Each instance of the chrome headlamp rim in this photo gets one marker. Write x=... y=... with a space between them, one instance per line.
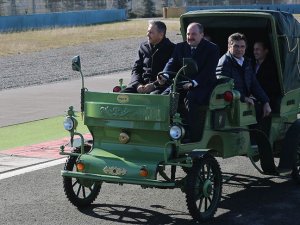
x=176 y=132
x=69 y=123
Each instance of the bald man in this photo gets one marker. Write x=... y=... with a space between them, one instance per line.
x=197 y=92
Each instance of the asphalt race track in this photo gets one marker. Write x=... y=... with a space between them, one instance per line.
x=248 y=198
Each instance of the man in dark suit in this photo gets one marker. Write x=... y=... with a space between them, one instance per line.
x=195 y=93
x=235 y=65
x=266 y=74
x=152 y=57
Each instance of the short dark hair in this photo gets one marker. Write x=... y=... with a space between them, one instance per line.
x=262 y=43
x=237 y=37
x=161 y=26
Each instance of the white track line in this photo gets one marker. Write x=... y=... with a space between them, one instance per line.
x=31 y=168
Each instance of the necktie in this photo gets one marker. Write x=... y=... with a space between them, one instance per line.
x=193 y=50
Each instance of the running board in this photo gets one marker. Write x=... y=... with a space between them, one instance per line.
x=118 y=180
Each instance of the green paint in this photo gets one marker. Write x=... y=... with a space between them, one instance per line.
x=35 y=132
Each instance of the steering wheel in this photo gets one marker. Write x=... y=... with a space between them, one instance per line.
x=179 y=84
x=186 y=80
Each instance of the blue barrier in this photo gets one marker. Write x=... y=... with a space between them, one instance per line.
x=36 y=21
x=291 y=8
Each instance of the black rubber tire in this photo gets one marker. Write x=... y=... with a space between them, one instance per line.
x=296 y=170
x=186 y=169
x=205 y=171
x=79 y=195
x=265 y=159
x=296 y=142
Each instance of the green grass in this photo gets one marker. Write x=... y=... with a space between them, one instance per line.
x=36 y=132
x=38 y=40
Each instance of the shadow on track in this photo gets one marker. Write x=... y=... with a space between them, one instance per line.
x=134 y=215
x=246 y=200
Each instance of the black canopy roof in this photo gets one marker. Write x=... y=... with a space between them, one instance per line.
x=281 y=29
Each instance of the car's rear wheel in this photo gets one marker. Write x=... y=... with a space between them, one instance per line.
x=296 y=143
x=261 y=154
x=256 y=161
x=296 y=170
x=80 y=192
x=203 y=188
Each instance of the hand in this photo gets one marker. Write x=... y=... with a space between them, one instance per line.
x=266 y=109
x=148 y=88
x=161 y=80
x=140 y=89
x=187 y=86
x=249 y=101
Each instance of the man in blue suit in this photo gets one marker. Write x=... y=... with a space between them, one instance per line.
x=234 y=64
x=195 y=93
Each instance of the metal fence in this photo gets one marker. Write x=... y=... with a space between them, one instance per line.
x=138 y=7
x=23 y=7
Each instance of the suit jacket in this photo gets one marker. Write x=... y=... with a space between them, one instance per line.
x=151 y=60
x=244 y=77
x=268 y=78
x=206 y=56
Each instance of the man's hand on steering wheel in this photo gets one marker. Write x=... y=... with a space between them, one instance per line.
x=164 y=77
x=188 y=86
x=161 y=79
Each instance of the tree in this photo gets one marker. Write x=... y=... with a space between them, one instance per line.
x=122 y=4
x=13 y=7
x=149 y=8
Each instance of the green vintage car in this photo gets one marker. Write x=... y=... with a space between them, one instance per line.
x=137 y=138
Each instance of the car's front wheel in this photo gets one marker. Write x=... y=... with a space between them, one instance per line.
x=203 y=188
x=80 y=192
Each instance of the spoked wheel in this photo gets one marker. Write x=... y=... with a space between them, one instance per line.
x=256 y=161
x=255 y=158
x=262 y=155
x=291 y=153
x=80 y=192
x=204 y=188
x=296 y=169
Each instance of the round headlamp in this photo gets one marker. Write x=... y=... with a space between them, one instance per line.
x=176 y=132
x=68 y=123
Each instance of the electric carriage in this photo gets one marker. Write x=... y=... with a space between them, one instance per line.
x=137 y=138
